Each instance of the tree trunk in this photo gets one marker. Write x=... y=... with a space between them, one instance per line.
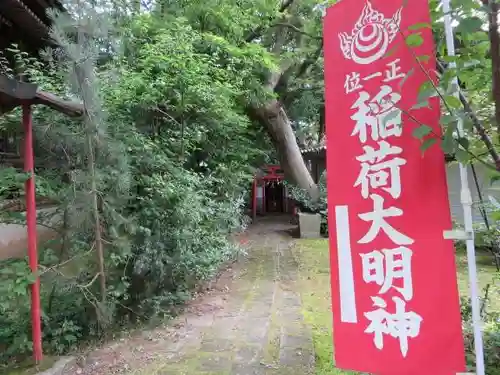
x=495 y=58
x=274 y=118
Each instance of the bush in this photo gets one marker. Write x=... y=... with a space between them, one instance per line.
x=491 y=338
x=180 y=237
x=15 y=336
x=163 y=153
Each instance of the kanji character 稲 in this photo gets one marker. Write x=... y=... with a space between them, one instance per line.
x=380 y=114
x=377 y=218
x=364 y=118
x=383 y=105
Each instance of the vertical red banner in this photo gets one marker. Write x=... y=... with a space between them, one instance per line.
x=394 y=287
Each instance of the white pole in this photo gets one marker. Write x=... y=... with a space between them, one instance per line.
x=466 y=199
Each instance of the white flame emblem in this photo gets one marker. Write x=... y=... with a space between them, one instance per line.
x=371 y=36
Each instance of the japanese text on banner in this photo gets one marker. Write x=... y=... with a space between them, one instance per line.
x=376 y=120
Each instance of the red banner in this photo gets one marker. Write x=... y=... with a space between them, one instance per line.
x=394 y=286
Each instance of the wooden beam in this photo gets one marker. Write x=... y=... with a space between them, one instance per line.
x=69 y=108
x=14 y=93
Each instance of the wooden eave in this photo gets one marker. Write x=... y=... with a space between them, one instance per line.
x=26 y=21
x=320 y=152
x=14 y=93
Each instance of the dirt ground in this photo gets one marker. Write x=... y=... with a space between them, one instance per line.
x=249 y=323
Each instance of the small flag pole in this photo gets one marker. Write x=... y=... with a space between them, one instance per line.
x=466 y=200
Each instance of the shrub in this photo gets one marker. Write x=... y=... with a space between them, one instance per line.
x=491 y=338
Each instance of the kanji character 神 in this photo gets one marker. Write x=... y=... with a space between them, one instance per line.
x=401 y=325
x=384 y=267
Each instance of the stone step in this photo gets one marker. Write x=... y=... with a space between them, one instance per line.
x=296 y=344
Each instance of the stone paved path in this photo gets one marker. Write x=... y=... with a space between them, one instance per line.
x=250 y=324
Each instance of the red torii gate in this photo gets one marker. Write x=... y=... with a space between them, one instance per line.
x=14 y=94
x=270 y=173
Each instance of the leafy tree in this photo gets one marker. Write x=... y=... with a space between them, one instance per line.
x=277 y=47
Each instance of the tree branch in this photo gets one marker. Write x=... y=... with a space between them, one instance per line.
x=310 y=60
x=322 y=123
x=481 y=130
x=285 y=5
x=257 y=32
x=494 y=37
x=296 y=29
x=283 y=82
x=69 y=108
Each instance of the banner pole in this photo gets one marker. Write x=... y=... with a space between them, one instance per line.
x=466 y=200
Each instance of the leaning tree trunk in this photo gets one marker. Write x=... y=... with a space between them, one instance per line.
x=274 y=118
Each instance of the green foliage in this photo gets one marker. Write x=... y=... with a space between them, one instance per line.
x=414 y=40
x=12 y=181
x=174 y=157
x=15 y=336
x=175 y=144
x=491 y=336
x=472 y=66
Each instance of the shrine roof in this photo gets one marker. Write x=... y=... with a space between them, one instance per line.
x=320 y=152
x=26 y=22
x=317 y=149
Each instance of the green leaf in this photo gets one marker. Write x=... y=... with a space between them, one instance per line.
x=423 y=58
x=425 y=92
x=418 y=26
x=448 y=144
x=462 y=155
x=449 y=59
x=428 y=143
x=422 y=131
x=470 y=25
x=452 y=101
x=464 y=142
x=424 y=104
x=448 y=119
x=31 y=277
x=414 y=40
x=472 y=63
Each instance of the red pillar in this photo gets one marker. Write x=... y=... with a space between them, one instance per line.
x=254 y=198
x=264 y=181
x=32 y=237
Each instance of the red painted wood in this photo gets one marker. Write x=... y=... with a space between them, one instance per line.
x=32 y=236
x=254 y=198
